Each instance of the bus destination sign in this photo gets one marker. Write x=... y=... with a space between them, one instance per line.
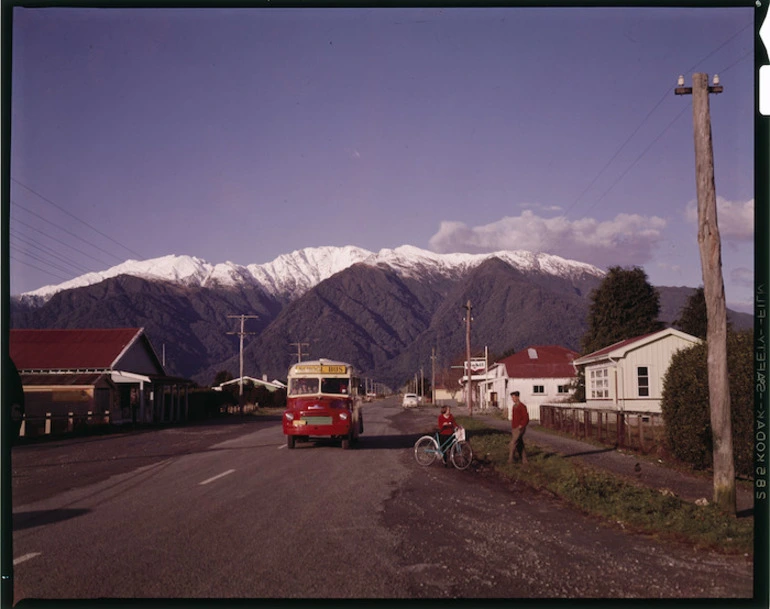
x=322 y=369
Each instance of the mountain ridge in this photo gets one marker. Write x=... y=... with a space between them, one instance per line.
x=385 y=313
x=291 y=275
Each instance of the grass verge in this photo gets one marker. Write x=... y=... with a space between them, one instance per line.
x=611 y=497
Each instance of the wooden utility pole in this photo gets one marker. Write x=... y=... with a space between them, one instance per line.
x=241 y=334
x=433 y=376
x=299 y=349
x=714 y=291
x=468 y=388
x=422 y=383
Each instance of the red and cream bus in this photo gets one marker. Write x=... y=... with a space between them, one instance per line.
x=323 y=400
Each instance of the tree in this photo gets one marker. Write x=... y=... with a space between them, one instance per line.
x=503 y=355
x=222 y=377
x=625 y=305
x=692 y=318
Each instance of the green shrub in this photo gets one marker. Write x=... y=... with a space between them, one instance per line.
x=685 y=403
x=205 y=403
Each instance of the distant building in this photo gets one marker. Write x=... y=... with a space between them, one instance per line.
x=97 y=371
x=273 y=385
x=539 y=373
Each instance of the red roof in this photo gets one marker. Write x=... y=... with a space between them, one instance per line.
x=548 y=361
x=69 y=349
x=618 y=345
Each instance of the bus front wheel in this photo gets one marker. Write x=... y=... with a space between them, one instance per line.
x=346 y=442
x=290 y=441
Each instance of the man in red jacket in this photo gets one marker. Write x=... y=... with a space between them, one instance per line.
x=519 y=422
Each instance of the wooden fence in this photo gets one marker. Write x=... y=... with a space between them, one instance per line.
x=50 y=424
x=642 y=431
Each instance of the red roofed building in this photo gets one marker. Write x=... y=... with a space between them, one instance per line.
x=97 y=371
x=541 y=374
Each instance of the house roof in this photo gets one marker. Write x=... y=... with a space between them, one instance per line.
x=541 y=361
x=620 y=348
x=272 y=385
x=81 y=349
x=70 y=380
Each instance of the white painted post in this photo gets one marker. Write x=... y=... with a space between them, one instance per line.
x=70 y=421
x=23 y=427
x=47 y=423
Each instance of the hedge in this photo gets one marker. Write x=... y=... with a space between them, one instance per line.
x=685 y=403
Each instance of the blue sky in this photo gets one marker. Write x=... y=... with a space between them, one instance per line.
x=242 y=134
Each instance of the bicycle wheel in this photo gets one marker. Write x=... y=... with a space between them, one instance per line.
x=425 y=450
x=461 y=455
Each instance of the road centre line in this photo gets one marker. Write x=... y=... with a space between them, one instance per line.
x=229 y=471
x=26 y=557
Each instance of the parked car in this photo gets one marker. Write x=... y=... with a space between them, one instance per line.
x=410 y=400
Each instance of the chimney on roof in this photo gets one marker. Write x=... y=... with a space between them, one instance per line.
x=532 y=353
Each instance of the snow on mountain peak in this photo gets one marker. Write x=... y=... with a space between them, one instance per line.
x=187 y=270
x=291 y=275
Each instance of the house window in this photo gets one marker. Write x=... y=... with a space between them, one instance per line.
x=643 y=381
x=562 y=389
x=599 y=383
x=538 y=389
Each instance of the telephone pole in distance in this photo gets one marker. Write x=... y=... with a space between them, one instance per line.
x=241 y=334
x=299 y=349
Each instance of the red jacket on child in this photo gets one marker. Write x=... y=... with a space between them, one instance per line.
x=446 y=424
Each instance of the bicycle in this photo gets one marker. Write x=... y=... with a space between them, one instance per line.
x=428 y=448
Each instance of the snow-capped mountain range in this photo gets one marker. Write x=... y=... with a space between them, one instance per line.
x=291 y=275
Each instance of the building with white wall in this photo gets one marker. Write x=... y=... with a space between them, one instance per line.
x=541 y=374
x=629 y=374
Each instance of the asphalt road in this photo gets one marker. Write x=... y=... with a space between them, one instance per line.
x=225 y=510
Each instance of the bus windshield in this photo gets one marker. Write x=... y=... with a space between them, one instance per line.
x=303 y=385
x=335 y=385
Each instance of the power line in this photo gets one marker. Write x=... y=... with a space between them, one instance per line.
x=644 y=120
x=35 y=257
x=11 y=256
x=630 y=167
x=69 y=233
x=748 y=53
x=617 y=152
x=748 y=25
x=78 y=219
x=65 y=244
x=50 y=252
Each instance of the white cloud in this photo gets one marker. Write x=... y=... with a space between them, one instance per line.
x=742 y=277
x=736 y=220
x=671 y=268
x=626 y=240
x=540 y=207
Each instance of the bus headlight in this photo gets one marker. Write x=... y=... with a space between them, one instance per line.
x=344 y=416
x=289 y=416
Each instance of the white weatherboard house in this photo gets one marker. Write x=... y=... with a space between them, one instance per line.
x=541 y=374
x=629 y=375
